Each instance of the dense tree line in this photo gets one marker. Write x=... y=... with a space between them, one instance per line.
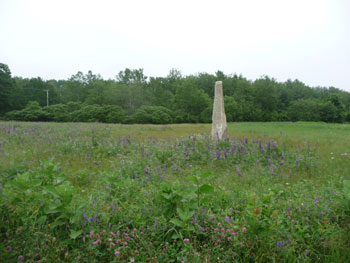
x=134 y=98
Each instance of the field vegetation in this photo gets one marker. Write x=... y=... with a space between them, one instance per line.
x=89 y=192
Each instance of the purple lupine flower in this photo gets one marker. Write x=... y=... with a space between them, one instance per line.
x=306 y=252
x=238 y=171
x=96 y=163
x=321 y=214
x=279 y=243
x=164 y=167
x=282 y=156
x=257 y=163
x=260 y=143
x=218 y=154
x=233 y=148
x=146 y=171
x=297 y=162
x=268 y=145
x=246 y=140
x=274 y=174
x=227 y=219
x=281 y=163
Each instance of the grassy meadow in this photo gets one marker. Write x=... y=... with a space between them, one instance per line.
x=89 y=192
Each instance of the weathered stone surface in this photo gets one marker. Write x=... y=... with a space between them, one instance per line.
x=219 y=125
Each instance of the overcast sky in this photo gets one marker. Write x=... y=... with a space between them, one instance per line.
x=285 y=39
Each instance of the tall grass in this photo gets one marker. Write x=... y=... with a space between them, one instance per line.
x=271 y=192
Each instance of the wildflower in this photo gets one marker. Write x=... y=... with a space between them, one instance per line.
x=216 y=229
x=96 y=163
x=20 y=256
x=218 y=154
x=146 y=171
x=306 y=252
x=227 y=219
x=91 y=233
x=279 y=243
x=321 y=214
x=116 y=252
x=132 y=260
x=111 y=244
x=229 y=238
x=316 y=201
x=281 y=163
x=244 y=229
x=186 y=240
x=238 y=171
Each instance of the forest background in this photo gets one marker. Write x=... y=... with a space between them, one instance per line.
x=133 y=97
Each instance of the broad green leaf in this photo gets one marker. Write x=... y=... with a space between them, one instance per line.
x=74 y=234
x=206 y=189
x=57 y=223
x=176 y=222
x=167 y=196
x=35 y=182
x=192 y=179
x=205 y=175
x=175 y=236
x=42 y=220
x=184 y=215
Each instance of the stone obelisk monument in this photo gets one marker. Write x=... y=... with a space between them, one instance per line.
x=219 y=126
